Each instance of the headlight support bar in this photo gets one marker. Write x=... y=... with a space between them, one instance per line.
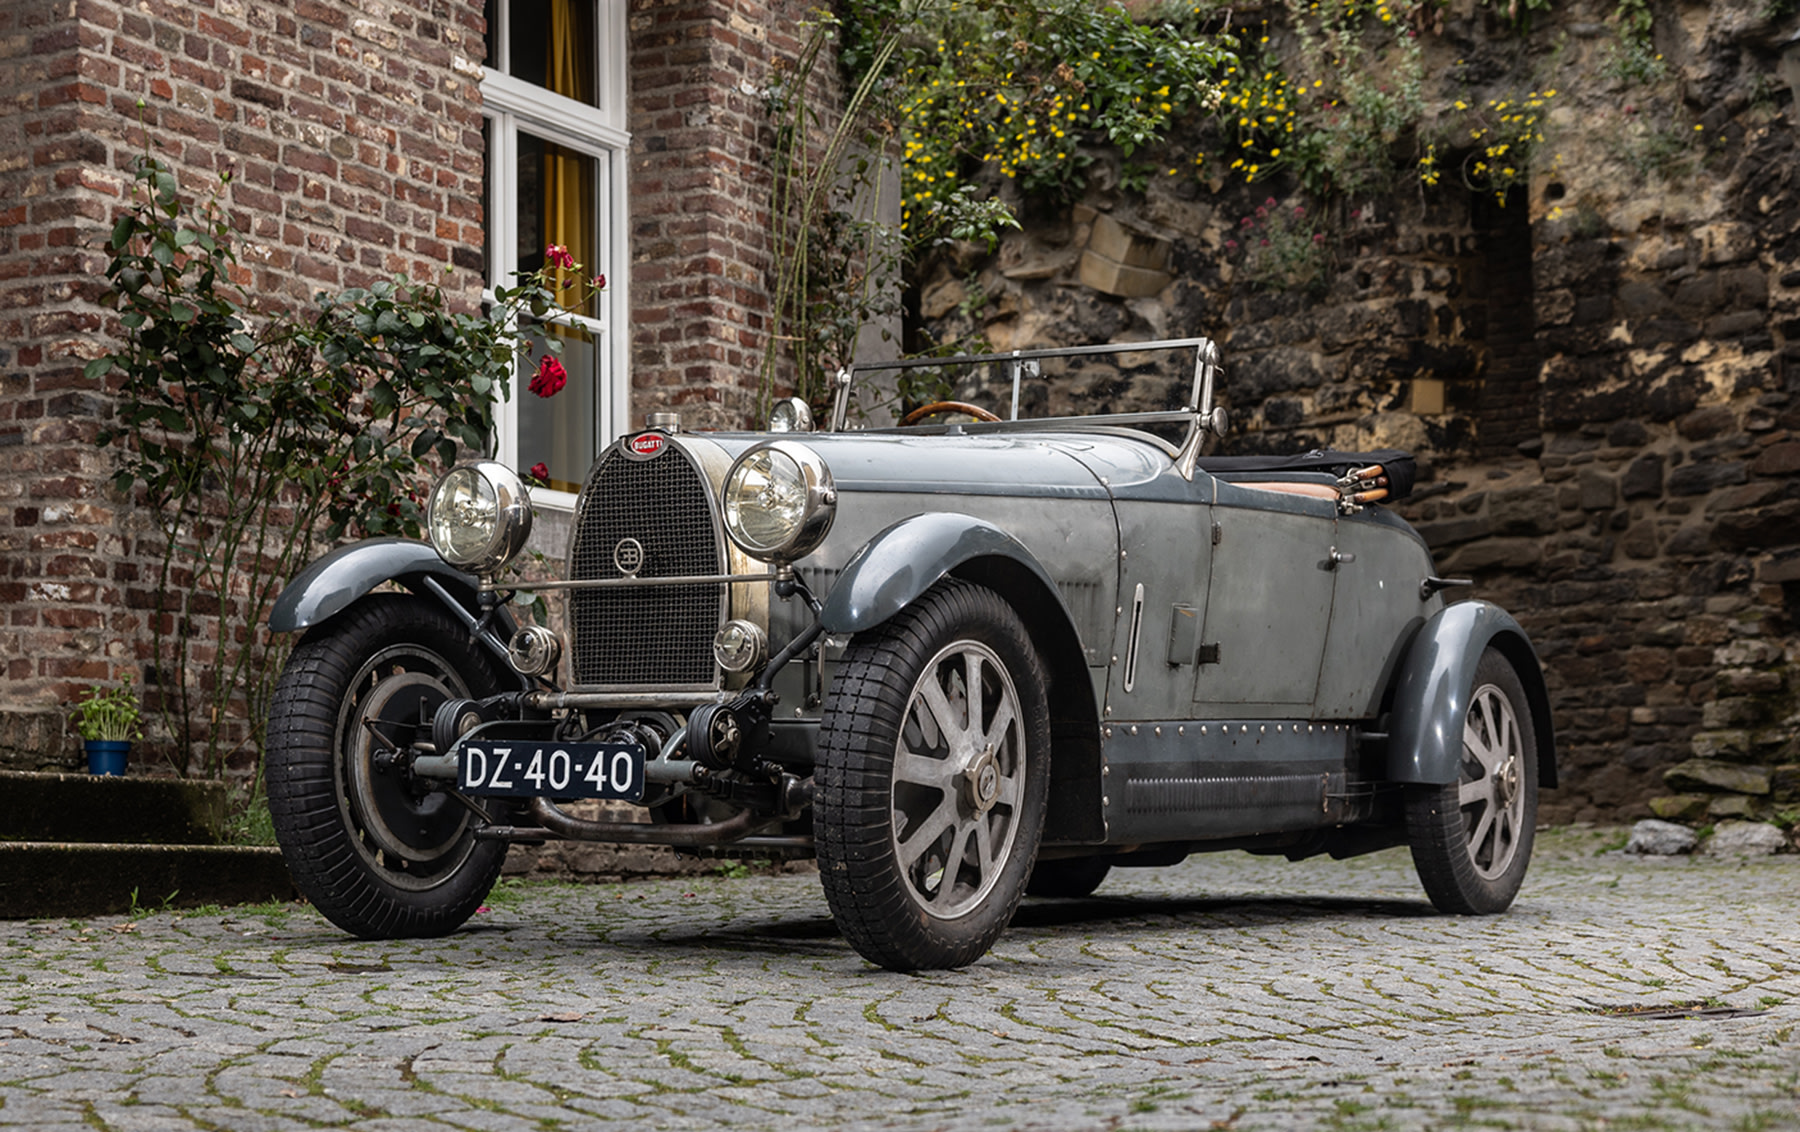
x=602 y=583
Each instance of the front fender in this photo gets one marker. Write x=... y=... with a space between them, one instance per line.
x=903 y=561
x=1431 y=697
x=329 y=585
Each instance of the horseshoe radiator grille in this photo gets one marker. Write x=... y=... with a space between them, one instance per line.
x=658 y=510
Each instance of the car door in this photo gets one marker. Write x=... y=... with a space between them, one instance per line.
x=1268 y=604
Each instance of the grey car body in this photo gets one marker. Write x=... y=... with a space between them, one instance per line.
x=1022 y=653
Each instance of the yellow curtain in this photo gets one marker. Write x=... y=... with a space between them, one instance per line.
x=569 y=177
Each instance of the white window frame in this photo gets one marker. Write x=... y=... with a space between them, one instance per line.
x=511 y=105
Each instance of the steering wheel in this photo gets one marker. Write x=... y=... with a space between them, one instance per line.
x=936 y=407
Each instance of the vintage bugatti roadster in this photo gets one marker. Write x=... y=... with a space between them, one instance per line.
x=992 y=649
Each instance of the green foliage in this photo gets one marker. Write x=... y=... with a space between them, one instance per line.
x=1635 y=20
x=1633 y=63
x=108 y=713
x=138 y=911
x=250 y=822
x=1333 y=116
x=836 y=264
x=1024 y=88
x=1281 y=247
x=1633 y=59
x=250 y=439
x=1506 y=133
x=1659 y=149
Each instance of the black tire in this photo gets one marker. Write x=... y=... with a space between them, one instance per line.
x=903 y=793
x=377 y=856
x=1471 y=839
x=1068 y=877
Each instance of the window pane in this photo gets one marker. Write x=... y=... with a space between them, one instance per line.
x=557 y=202
x=561 y=431
x=552 y=46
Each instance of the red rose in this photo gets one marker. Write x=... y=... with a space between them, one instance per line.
x=600 y=282
x=558 y=256
x=539 y=474
x=550 y=378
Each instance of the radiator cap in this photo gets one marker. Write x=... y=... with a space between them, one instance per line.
x=665 y=420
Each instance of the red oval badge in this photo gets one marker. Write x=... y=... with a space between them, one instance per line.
x=646 y=445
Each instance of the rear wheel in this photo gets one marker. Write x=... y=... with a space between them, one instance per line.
x=934 y=772
x=377 y=854
x=1471 y=839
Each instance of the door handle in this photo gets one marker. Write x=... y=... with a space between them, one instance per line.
x=1340 y=557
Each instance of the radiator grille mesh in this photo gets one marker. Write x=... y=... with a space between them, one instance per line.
x=631 y=636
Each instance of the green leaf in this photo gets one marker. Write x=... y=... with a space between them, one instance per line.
x=97 y=368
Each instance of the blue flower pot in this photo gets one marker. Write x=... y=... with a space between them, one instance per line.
x=107 y=756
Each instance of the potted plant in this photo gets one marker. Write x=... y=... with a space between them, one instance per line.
x=107 y=721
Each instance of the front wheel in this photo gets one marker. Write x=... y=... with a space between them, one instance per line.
x=934 y=774
x=378 y=854
x=1471 y=839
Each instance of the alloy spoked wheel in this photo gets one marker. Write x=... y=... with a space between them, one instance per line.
x=959 y=775
x=933 y=779
x=1471 y=839
x=1491 y=792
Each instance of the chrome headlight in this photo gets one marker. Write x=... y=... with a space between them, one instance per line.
x=779 y=501
x=790 y=414
x=479 y=516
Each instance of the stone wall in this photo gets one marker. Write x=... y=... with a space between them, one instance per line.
x=1602 y=374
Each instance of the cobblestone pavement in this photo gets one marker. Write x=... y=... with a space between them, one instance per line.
x=1230 y=992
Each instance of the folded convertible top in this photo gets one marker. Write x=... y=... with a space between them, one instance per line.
x=1399 y=468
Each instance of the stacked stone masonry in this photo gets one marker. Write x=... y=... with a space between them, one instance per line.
x=1602 y=376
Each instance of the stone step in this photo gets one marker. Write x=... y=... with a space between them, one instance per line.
x=86 y=807
x=61 y=879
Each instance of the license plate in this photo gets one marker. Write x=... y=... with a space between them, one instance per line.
x=527 y=768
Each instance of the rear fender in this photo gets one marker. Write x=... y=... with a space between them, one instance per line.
x=1431 y=695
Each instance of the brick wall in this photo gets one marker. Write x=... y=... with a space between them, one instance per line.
x=352 y=133
x=701 y=186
